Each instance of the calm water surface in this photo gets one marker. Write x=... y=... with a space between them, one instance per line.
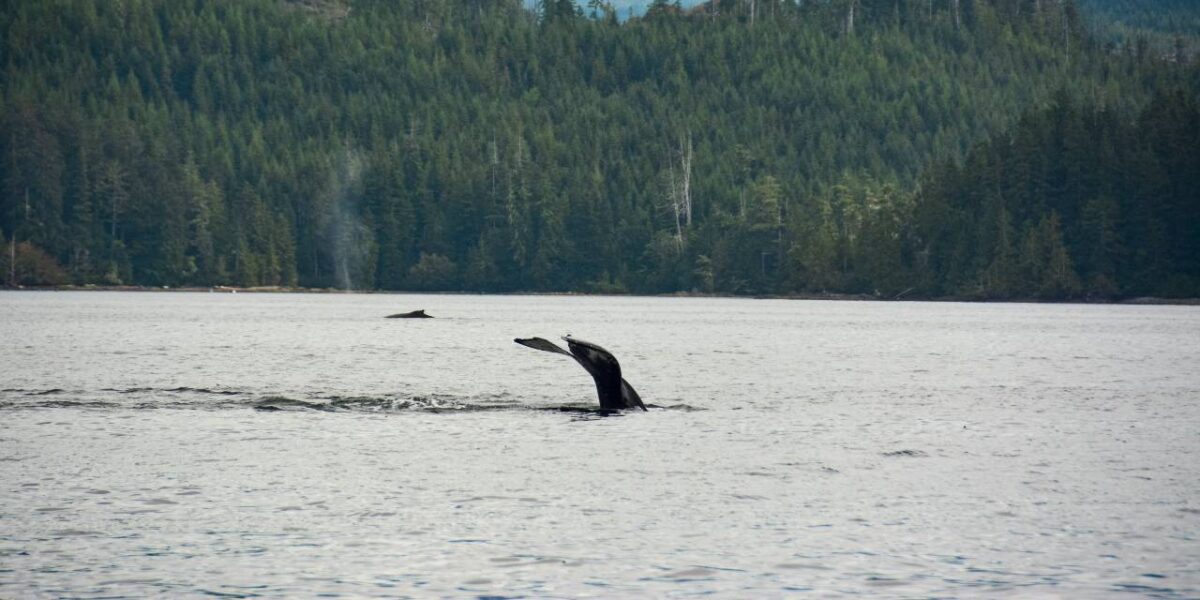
x=805 y=448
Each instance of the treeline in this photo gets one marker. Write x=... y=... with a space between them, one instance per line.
x=740 y=147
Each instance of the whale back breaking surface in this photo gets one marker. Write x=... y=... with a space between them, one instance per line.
x=416 y=314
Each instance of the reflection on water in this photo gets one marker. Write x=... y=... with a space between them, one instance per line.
x=285 y=445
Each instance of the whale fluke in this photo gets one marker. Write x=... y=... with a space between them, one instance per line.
x=416 y=314
x=615 y=393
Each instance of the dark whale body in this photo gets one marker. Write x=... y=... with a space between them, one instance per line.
x=615 y=393
x=416 y=314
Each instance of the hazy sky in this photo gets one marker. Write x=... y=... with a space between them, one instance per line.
x=641 y=4
x=623 y=6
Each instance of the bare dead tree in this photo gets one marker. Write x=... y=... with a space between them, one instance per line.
x=674 y=203
x=1066 y=21
x=679 y=188
x=494 y=157
x=685 y=146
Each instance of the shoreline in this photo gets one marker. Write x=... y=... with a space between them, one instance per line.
x=226 y=289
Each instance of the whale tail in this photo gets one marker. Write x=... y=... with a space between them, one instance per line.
x=544 y=345
x=629 y=396
x=614 y=392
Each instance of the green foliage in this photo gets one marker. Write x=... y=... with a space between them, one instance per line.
x=25 y=264
x=433 y=272
x=1075 y=201
x=474 y=144
x=1169 y=28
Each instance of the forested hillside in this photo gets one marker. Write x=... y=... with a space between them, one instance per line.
x=1167 y=27
x=1075 y=201
x=734 y=146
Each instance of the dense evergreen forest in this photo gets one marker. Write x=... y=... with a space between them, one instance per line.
x=972 y=148
x=1169 y=27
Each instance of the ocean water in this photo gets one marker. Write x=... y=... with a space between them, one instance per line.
x=294 y=445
